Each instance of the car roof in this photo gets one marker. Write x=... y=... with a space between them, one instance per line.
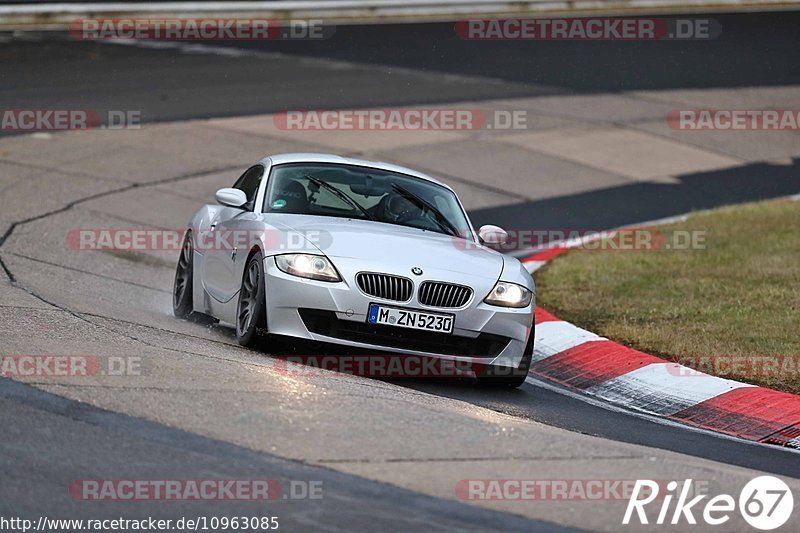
x=337 y=159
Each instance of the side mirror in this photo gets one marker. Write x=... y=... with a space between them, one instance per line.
x=492 y=235
x=231 y=197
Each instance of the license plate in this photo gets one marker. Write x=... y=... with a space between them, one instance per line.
x=409 y=318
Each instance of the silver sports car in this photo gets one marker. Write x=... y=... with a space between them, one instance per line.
x=362 y=254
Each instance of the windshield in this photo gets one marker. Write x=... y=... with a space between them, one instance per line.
x=350 y=191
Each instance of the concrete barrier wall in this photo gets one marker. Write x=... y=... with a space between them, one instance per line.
x=54 y=15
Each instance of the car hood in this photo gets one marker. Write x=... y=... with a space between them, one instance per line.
x=393 y=248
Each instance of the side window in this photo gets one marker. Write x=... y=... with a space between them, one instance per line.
x=248 y=183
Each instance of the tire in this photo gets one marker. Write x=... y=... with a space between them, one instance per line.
x=510 y=378
x=182 y=288
x=251 y=319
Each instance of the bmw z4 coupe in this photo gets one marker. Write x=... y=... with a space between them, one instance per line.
x=360 y=254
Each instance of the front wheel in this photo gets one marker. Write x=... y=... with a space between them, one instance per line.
x=251 y=323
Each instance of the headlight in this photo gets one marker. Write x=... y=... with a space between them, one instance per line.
x=308 y=266
x=509 y=295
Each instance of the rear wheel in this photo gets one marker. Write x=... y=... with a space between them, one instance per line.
x=251 y=323
x=182 y=288
x=510 y=378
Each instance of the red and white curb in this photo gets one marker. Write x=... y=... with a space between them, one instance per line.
x=614 y=374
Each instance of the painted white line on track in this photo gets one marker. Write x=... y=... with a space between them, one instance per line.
x=580 y=241
x=330 y=64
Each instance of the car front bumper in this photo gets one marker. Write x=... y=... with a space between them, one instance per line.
x=337 y=313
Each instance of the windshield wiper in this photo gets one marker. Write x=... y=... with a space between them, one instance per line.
x=339 y=194
x=439 y=217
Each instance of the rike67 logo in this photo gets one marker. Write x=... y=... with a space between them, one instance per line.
x=765 y=503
